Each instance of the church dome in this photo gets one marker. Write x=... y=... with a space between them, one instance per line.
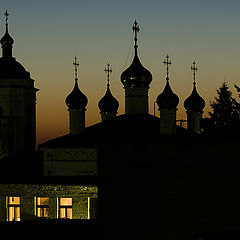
x=167 y=99
x=76 y=99
x=136 y=75
x=9 y=67
x=12 y=69
x=194 y=102
x=108 y=104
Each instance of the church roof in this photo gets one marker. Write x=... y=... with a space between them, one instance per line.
x=136 y=129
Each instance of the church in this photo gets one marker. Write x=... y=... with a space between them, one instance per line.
x=136 y=174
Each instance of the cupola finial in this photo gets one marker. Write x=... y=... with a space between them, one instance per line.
x=167 y=62
x=7 y=41
x=108 y=70
x=135 y=29
x=6 y=17
x=194 y=70
x=76 y=65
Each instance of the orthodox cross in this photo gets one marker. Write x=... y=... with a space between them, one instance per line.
x=135 y=29
x=108 y=70
x=6 y=15
x=76 y=64
x=168 y=63
x=194 y=70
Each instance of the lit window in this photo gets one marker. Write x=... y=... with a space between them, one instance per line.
x=13 y=209
x=42 y=207
x=65 y=208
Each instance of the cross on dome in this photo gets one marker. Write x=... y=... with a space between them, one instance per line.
x=135 y=29
x=167 y=62
x=194 y=70
x=108 y=70
x=6 y=15
x=76 y=65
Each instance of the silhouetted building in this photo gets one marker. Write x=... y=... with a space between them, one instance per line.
x=25 y=195
x=17 y=103
x=140 y=176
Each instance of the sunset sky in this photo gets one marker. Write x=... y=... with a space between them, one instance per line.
x=48 y=35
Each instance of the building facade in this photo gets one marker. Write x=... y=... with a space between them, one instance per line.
x=21 y=202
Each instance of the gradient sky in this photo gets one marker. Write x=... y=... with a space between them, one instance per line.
x=48 y=34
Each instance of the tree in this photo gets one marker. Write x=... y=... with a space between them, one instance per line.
x=226 y=111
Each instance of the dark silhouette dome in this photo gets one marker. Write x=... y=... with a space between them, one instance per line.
x=76 y=99
x=167 y=99
x=10 y=68
x=194 y=102
x=136 y=75
x=108 y=104
x=7 y=40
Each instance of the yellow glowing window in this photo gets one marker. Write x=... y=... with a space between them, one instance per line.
x=42 y=207
x=65 y=208
x=13 y=209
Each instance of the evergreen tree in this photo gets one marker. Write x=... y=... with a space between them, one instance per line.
x=226 y=111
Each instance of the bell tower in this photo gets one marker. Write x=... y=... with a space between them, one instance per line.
x=17 y=102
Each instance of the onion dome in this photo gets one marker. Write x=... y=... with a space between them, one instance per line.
x=7 y=40
x=76 y=99
x=194 y=103
x=136 y=75
x=9 y=67
x=108 y=104
x=167 y=99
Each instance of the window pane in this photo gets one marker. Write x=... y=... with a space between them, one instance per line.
x=14 y=214
x=69 y=213
x=62 y=213
x=14 y=200
x=17 y=214
x=65 y=201
x=10 y=213
x=43 y=201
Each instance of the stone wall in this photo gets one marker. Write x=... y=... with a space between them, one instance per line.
x=29 y=192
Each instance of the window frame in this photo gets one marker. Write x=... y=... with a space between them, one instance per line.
x=16 y=207
x=65 y=207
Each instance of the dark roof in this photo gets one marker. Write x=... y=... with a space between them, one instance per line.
x=121 y=129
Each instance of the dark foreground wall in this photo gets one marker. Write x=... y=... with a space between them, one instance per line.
x=169 y=189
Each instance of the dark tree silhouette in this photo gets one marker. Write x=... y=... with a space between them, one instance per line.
x=226 y=111
x=238 y=89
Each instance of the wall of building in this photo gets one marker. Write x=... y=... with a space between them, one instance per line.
x=70 y=161
x=28 y=193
